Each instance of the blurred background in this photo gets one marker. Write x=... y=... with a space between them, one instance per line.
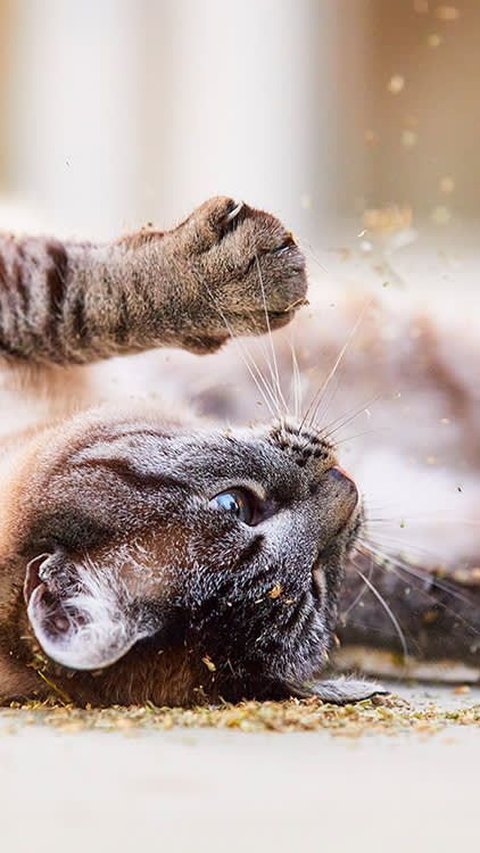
x=118 y=112
x=358 y=123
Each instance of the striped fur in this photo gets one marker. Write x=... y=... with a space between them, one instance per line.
x=65 y=303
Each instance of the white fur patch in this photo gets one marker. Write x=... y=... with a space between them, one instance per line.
x=102 y=626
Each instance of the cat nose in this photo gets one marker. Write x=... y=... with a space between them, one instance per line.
x=346 y=485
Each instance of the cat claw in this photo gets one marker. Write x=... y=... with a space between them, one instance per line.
x=236 y=210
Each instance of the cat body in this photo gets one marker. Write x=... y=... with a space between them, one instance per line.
x=150 y=556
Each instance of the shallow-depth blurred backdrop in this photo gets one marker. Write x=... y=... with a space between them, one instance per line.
x=118 y=112
x=358 y=123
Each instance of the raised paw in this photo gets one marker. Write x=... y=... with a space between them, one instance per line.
x=244 y=272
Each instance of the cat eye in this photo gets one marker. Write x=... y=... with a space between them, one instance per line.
x=239 y=502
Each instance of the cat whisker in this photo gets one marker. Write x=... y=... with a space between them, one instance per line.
x=312 y=409
x=329 y=431
x=296 y=381
x=337 y=424
x=344 y=615
x=399 y=559
x=397 y=541
x=271 y=381
x=379 y=509
x=387 y=608
x=252 y=367
x=349 y=438
x=326 y=402
x=419 y=578
x=429 y=519
x=382 y=520
x=249 y=362
x=307 y=249
x=273 y=364
x=396 y=564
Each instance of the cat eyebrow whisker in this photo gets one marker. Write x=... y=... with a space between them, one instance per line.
x=253 y=369
x=348 y=438
x=296 y=380
x=312 y=409
x=273 y=363
x=270 y=384
x=342 y=421
x=327 y=433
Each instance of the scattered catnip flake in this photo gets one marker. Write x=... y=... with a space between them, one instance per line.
x=434 y=40
x=446 y=185
x=420 y=7
x=276 y=591
x=441 y=215
x=409 y=138
x=387 y=715
x=396 y=84
x=209 y=664
x=371 y=138
x=447 y=13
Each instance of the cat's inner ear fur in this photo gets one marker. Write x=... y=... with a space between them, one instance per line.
x=82 y=617
x=339 y=691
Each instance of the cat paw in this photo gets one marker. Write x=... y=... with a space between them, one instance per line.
x=339 y=691
x=249 y=272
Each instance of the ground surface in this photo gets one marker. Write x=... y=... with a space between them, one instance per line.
x=376 y=779
x=389 y=777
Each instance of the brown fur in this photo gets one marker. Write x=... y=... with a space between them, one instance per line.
x=78 y=302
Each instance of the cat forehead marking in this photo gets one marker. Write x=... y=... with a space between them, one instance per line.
x=303 y=445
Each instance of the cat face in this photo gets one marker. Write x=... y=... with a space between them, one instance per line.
x=144 y=537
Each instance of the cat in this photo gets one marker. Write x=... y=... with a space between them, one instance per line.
x=147 y=554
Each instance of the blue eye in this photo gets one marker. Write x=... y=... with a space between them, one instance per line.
x=238 y=502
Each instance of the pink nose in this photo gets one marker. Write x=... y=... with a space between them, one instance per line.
x=340 y=472
x=344 y=478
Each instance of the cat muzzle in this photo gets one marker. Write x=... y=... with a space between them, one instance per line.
x=345 y=490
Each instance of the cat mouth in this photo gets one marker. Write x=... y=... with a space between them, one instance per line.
x=348 y=535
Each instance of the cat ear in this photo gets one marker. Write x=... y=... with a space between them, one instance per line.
x=339 y=691
x=80 y=613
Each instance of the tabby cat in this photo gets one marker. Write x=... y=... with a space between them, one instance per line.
x=146 y=555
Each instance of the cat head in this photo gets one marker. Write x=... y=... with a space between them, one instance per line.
x=142 y=536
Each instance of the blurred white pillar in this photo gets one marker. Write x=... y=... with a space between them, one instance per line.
x=242 y=102
x=124 y=111
x=72 y=124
